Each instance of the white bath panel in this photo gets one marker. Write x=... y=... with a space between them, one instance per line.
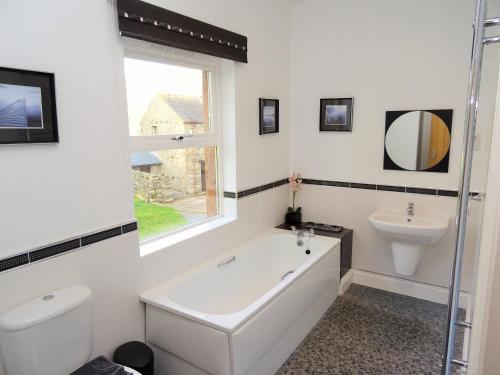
x=196 y=343
x=167 y=363
x=281 y=350
x=258 y=335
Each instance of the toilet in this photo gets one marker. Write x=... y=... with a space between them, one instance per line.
x=50 y=334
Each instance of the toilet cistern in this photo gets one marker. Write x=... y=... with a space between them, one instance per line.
x=51 y=334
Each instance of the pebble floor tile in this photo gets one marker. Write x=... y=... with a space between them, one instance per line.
x=373 y=332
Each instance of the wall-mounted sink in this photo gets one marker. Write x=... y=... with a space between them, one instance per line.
x=409 y=236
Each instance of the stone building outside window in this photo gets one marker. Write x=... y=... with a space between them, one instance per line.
x=175 y=182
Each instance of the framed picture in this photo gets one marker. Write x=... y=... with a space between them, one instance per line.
x=336 y=114
x=269 y=116
x=27 y=107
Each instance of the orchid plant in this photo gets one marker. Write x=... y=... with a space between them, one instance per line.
x=295 y=181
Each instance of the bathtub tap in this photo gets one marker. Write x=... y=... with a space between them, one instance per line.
x=301 y=234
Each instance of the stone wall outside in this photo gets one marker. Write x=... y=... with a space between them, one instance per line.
x=152 y=187
x=179 y=175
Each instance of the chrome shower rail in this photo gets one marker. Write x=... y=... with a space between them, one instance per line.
x=479 y=41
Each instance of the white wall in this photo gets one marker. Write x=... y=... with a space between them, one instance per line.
x=388 y=55
x=52 y=192
x=492 y=332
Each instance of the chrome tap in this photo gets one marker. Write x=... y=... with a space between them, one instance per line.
x=301 y=234
x=300 y=238
x=411 y=209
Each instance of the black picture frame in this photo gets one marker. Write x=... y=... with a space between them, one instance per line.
x=336 y=114
x=269 y=116
x=27 y=107
x=446 y=115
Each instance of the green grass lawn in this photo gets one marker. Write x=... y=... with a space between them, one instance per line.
x=154 y=219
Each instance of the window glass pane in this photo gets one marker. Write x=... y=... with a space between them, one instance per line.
x=174 y=188
x=166 y=99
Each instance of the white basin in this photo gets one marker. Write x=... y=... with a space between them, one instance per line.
x=409 y=236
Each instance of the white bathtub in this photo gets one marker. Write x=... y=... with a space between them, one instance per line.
x=225 y=319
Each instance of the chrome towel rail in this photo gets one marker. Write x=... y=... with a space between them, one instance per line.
x=491 y=39
x=479 y=41
x=492 y=22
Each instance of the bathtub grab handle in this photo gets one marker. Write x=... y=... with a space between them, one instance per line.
x=286 y=274
x=224 y=262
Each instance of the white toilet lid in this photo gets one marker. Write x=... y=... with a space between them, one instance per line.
x=131 y=370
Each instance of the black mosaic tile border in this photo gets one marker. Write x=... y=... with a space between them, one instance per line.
x=129 y=227
x=101 y=236
x=336 y=183
x=345 y=184
x=399 y=189
x=355 y=185
x=53 y=250
x=392 y=188
x=255 y=190
x=14 y=261
x=63 y=247
x=449 y=193
x=421 y=191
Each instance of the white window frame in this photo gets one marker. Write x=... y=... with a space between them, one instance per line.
x=155 y=53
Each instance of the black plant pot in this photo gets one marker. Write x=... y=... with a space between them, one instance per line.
x=293 y=218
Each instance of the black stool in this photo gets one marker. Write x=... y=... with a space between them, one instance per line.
x=136 y=355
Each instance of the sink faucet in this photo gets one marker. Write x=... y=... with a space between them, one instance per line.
x=411 y=209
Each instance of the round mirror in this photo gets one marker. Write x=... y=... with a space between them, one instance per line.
x=417 y=140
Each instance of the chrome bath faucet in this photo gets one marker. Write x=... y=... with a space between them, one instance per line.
x=411 y=209
x=301 y=234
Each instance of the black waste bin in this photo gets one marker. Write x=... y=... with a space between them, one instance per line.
x=136 y=355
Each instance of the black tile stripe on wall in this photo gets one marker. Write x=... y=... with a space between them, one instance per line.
x=255 y=190
x=64 y=247
x=13 y=262
x=393 y=188
x=345 y=184
x=356 y=185
x=450 y=193
x=53 y=250
x=311 y=181
x=129 y=227
x=337 y=183
x=100 y=236
x=421 y=191
x=399 y=189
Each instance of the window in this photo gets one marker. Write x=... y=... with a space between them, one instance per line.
x=175 y=142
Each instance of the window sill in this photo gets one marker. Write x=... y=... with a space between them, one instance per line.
x=166 y=241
